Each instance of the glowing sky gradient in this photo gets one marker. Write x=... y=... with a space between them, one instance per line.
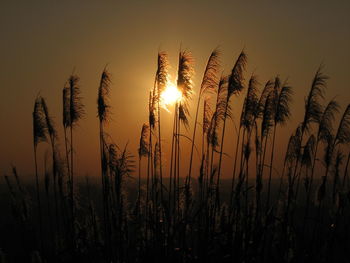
x=43 y=41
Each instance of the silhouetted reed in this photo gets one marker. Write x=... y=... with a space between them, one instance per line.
x=39 y=135
x=300 y=216
x=209 y=84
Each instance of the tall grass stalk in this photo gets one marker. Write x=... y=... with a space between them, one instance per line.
x=235 y=86
x=39 y=135
x=209 y=83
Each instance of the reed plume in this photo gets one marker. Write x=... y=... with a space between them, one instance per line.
x=76 y=112
x=49 y=122
x=248 y=114
x=209 y=84
x=247 y=122
x=265 y=129
x=221 y=109
x=325 y=126
x=66 y=123
x=343 y=132
x=282 y=97
x=39 y=124
x=103 y=113
x=313 y=106
x=161 y=81
x=258 y=115
x=234 y=87
x=39 y=135
x=333 y=141
x=103 y=107
x=325 y=129
x=184 y=84
x=144 y=147
x=53 y=137
x=293 y=149
x=342 y=137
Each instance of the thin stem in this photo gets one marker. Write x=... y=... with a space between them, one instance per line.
x=193 y=139
x=38 y=199
x=160 y=156
x=220 y=156
x=271 y=161
x=72 y=186
x=234 y=168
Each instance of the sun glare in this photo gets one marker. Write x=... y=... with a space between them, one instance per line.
x=170 y=95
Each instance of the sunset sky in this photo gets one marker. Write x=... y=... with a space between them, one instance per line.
x=42 y=42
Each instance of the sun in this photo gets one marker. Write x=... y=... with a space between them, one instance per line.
x=170 y=95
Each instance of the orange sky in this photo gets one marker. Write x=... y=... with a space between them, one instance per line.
x=41 y=43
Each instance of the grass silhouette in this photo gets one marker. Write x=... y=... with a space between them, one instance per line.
x=300 y=215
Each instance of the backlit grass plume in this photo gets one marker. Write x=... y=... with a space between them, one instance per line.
x=219 y=113
x=313 y=106
x=103 y=114
x=51 y=130
x=162 y=72
x=235 y=86
x=222 y=111
x=103 y=106
x=161 y=81
x=209 y=83
x=39 y=123
x=247 y=123
x=250 y=104
x=343 y=132
x=324 y=131
x=184 y=84
x=76 y=112
x=66 y=121
x=76 y=107
x=143 y=146
x=282 y=96
x=313 y=113
x=39 y=135
x=235 y=82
